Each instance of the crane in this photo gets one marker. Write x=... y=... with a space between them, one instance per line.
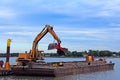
x=7 y=64
x=33 y=54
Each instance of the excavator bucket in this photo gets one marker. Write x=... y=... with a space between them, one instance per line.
x=52 y=46
x=60 y=51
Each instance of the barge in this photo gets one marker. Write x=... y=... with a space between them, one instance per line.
x=27 y=63
x=55 y=69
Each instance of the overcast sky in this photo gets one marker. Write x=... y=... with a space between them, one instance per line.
x=80 y=24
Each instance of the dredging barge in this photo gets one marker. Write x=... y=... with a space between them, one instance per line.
x=61 y=68
x=28 y=64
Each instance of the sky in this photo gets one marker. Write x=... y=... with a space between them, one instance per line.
x=80 y=24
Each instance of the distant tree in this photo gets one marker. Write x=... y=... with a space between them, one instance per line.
x=93 y=53
x=74 y=53
x=119 y=53
x=96 y=53
x=105 y=53
x=69 y=53
x=80 y=54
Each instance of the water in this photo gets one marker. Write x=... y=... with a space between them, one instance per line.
x=103 y=75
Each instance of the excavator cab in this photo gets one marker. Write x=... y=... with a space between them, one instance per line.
x=60 y=51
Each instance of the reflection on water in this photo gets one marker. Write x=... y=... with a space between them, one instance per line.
x=38 y=78
x=103 y=75
x=70 y=77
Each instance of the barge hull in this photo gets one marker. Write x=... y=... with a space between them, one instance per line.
x=83 y=69
x=68 y=69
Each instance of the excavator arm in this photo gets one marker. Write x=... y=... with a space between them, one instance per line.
x=45 y=30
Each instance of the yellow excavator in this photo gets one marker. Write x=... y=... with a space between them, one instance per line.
x=33 y=54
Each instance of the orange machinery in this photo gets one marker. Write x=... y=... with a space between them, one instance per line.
x=7 y=64
x=33 y=54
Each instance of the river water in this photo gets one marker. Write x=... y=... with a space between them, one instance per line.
x=102 y=75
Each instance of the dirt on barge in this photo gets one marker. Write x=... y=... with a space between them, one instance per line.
x=55 y=69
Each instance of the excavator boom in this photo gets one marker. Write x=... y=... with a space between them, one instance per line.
x=45 y=30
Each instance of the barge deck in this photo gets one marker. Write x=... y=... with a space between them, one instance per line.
x=67 y=68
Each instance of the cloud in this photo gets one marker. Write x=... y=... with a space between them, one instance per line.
x=7 y=13
x=58 y=12
x=109 y=8
x=81 y=38
x=71 y=8
x=95 y=34
x=80 y=22
x=20 y=28
x=21 y=33
x=115 y=25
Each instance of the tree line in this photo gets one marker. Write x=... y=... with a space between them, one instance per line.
x=11 y=54
x=96 y=53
